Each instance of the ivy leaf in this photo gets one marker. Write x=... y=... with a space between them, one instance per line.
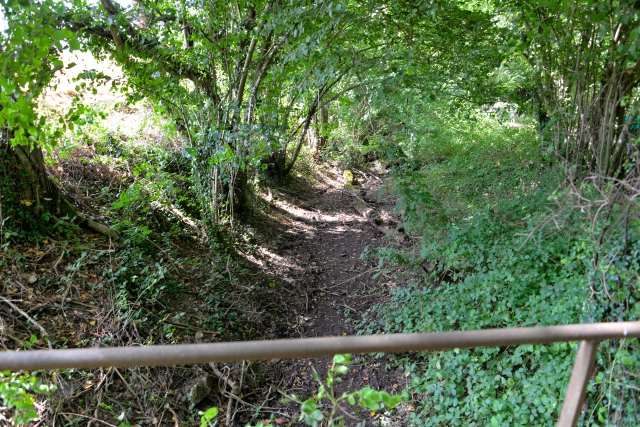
x=189 y=153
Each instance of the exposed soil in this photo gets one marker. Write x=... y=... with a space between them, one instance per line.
x=317 y=239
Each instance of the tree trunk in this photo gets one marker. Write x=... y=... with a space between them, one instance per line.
x=276 y=163
x=317 y=135
x=28 y=195
x=241 y=191
x=27 y=188
x=313 y=137
x=323 y=122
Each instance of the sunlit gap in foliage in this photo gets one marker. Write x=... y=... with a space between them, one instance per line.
x=268 y=259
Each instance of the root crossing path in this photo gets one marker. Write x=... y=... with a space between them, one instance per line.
x=319 y=238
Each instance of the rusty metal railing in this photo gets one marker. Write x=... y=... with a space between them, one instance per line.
x=590 y=336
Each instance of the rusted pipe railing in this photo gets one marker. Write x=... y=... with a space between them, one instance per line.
x=309 y=347
x=580 y=376
x=589 y=334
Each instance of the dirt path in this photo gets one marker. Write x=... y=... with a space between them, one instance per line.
x=317 y=242
x=309 y=278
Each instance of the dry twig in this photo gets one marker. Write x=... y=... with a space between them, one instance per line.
x=36 y=324
x=175 y=416
x=346 y=281
x=87 y=417
x=233 y=393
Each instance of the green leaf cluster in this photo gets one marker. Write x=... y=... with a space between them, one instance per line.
x=17 y=393
x=32 y=42
x=312 y=409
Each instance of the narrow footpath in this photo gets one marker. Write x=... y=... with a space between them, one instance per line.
x=318 y=239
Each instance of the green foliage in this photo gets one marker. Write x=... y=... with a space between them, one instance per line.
x=415 y=200
x=473 y=159
x=137 y=280
x=583 y=58
x=492 y=285
x=18 y=392
x=161 y=186
x=32 y=42
x=243 y=81
x=312 y=409
x=207 y=417
x=146 y=211
x=236 y=78
x=493 y=278
x=504 y=257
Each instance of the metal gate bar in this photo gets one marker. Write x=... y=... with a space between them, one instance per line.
x=589 y=334
x=576 y=390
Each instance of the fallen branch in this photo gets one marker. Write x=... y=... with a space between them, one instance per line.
x=99 y=228
x=55 y=266
x=36 y=324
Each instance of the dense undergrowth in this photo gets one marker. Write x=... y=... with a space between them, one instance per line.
x=166 y=280
x=497 y=239
x=508 y=244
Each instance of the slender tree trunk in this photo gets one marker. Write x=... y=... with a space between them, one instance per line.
x=241 y=191
x=313 y=137
x=323 y=122
x=316 y=136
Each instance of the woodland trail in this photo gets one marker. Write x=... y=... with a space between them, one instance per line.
x=305 y=278
x=318 y=238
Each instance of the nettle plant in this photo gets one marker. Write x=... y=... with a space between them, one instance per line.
x=325 y=406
